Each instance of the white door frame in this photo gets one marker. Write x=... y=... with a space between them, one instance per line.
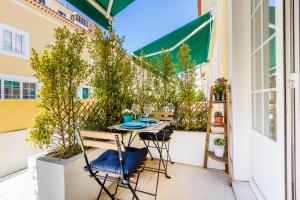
x=292 y=99
x=267 y=155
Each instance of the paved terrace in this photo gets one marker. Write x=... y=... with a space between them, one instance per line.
x=187 y=183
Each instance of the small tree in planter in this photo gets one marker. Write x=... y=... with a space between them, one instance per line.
x=61 y=69
x=146 y=84
x=218 y=117
x=113 y=77
x=219 y=147
x=186 y=96
x=219 y=88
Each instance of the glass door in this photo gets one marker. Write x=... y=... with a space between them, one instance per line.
x=267 y=138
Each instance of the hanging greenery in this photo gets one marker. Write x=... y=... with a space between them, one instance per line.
x=60 y=69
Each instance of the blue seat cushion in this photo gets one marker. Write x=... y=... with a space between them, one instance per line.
x=162 y=135
x=109 y=161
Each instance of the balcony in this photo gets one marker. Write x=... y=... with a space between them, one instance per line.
x=80 y=21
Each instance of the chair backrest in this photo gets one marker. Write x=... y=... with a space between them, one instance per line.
x=103 y=140
x=163 y=116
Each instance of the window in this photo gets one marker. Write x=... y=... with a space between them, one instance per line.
x=7 y=40
x=42 y=1
x=29 y=90
x=86 y=93
x=11 y=90
x=18 y=43
x=13 y=42
x=263 y=21
x=61 y=13
x=80 y=20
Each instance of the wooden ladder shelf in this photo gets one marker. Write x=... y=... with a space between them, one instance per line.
x=209 y=154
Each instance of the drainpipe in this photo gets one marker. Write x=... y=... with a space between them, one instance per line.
x=199 y=8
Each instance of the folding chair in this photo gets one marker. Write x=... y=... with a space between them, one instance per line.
x=161 y=141
x=119 y=164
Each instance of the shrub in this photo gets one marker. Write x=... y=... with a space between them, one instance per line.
x=219 y=142
x=61 y=70
x=112 y=78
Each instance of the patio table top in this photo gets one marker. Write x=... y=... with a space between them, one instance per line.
x=152 y=127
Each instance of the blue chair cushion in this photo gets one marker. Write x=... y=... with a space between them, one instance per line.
x=162 y=135
x=109 y=161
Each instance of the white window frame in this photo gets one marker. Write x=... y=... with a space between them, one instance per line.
x=29 y=95
x=21 y=79
x=25 y=42
x=80 y=91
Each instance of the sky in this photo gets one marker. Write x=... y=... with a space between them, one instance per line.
x=144 y=21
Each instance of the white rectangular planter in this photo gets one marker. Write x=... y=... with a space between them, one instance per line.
x=187 y=147
x=14 y=151
x=63 y=179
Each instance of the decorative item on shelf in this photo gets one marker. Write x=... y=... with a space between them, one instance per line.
x=218 y=117
x=127 y=115
x=219 y=89
x=219 y=147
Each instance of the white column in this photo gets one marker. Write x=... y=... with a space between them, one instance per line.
x=240 y=81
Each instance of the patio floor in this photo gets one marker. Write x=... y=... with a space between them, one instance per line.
x=187 y=182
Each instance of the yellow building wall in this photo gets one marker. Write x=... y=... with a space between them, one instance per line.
x=17 y=114
x=37 y=23
x=40 y=25
x=219 y=39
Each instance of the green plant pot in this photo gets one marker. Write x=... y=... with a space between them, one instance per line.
x=218 y=96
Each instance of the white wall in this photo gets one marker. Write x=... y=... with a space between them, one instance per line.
x=14 y=151
x=186 y=148
x=240 y=81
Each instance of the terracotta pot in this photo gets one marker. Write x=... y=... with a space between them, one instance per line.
x=219 y=120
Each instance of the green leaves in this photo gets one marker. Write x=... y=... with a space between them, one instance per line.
x=112 y=78
x=61 y=70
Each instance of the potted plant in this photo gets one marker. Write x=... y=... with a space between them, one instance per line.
x=219 y=147
x=218 y=116
x=219 y=88
x=61 y=70
x=127 y=115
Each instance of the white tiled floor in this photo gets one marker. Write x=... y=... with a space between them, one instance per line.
x=186 y=183
x=243 y=191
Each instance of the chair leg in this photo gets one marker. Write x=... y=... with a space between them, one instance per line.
x=136 y=184
x=161 y=159
x=168 y=154
x=98 y=198
x=148 y=148
x=157 y=181
x=132 y=191
x=116 y=190
x=104 y=188
x=165 y=166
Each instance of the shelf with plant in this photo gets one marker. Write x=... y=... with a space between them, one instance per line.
x=219 y=89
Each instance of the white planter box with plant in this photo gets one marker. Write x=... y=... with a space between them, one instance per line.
x=219 y=147
x=62 y=179
x=59 y=175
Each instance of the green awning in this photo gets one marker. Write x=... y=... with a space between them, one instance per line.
x=196 y=34
x=97 y=9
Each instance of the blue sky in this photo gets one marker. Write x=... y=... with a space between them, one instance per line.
x=147 y=20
